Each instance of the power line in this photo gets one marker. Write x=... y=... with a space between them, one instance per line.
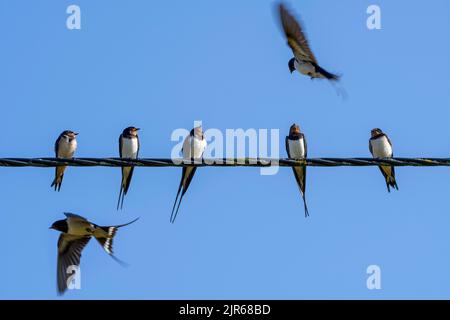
x=226 y=162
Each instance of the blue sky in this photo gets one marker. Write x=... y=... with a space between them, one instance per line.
x=160 y=65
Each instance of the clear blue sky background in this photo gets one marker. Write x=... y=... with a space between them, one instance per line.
x=161 y=65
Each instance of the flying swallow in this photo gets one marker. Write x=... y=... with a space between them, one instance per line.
x=76 y=232
x=65 y=147
x=296 y=148
x=381 y=147
x=304 y=60
x=193 y=147
x=128 y=149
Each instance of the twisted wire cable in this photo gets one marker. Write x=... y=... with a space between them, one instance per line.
x=225 y=162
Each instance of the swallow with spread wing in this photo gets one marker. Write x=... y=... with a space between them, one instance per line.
x=193 y=147
x=65 y=147
x=304 y=60
x=128 y=149
x=76 y=232
x=296 y=149
x=381 y=147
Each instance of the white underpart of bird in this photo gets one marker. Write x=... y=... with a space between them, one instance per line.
x=307 y=68
x=193 y=148
x=130 y=147
x=381 y=148
x=66 y=147
x=130 y=150
x=297 y=148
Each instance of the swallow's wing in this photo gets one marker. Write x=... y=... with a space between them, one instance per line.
x=138 y=146
x=120 y=145
x=57 y=146
x=370 y=147
x=122 y=171
x=295 y=36
x=392 y=167
x=286 y=141
x=69 y=254
x=74 y=216
x=129 y=176
x=188 y=174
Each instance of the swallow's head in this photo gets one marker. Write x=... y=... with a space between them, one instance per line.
x=60 y=225
x=69 y=134
x=294 y=130
x=131 y=131
x=292 y=65
x=375 y=132
x=197 y=132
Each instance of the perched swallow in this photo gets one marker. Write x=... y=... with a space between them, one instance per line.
x=304 y=60
x=381 y=147
x=65 y=147
x=128 y=149
x=296 y=148
x=76 y=232
x=193 y=147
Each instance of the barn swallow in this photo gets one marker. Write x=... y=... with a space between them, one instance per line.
x=296 y=148
x=128 y=149
x=193 y=147
x=76 y=232
x=65 y=147
x=304 y=60
x=381 y=147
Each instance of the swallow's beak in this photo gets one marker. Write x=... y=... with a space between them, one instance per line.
x=137 y=129
x=51 y=227
x=75 y=133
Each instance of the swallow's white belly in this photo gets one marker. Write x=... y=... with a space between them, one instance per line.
x=296 y=149
x=130 y=148
x=193 y=148
x=66 y=148
x=381 y=148
x=307 y=68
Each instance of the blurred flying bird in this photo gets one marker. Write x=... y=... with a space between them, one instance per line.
x=381 y=147
x=304 y=60
x=76 y=232
x=296 y=148
x=65 y=147
x=128 y=149
x=193 y=147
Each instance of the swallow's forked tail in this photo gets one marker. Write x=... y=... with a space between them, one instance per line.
x=306 y=206
x=391 y=182
x=105 y=239
x=121 y=197
x=328 y=75
x=173 y=216
x=59 y=175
